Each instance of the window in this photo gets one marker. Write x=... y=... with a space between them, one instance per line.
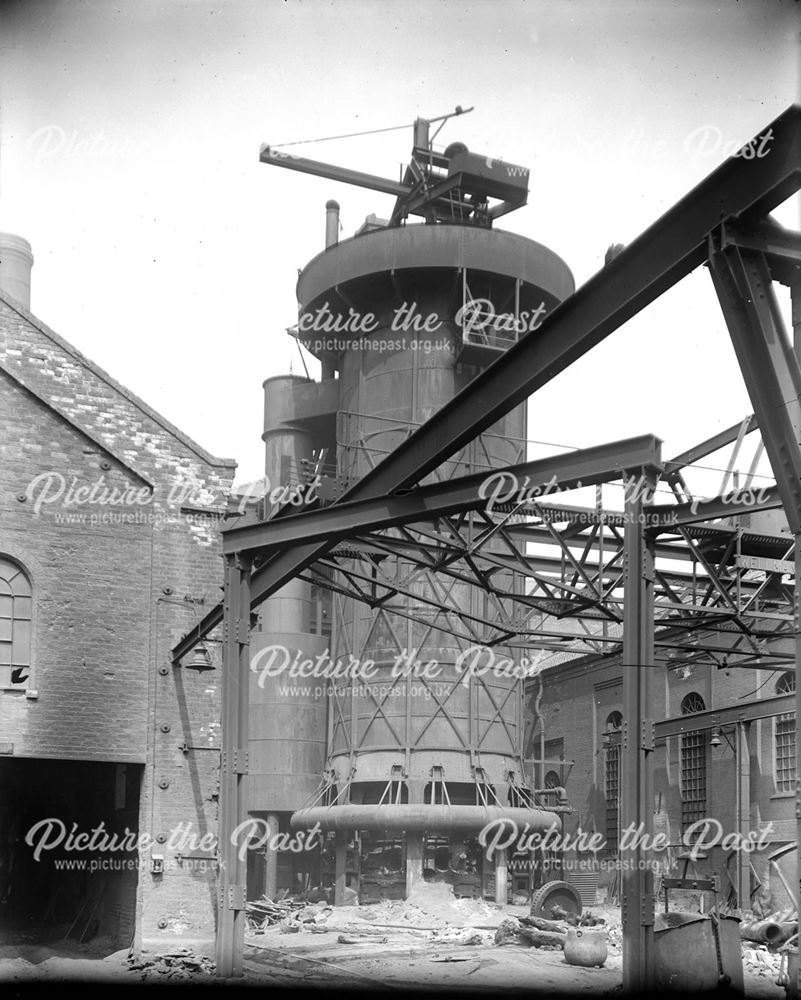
x=692 y=766
x=554 y=754
x=614 y=723
x=15 y=625
x=785 y=739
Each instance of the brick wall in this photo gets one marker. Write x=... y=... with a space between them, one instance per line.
x=576 y=703
x=114 y=588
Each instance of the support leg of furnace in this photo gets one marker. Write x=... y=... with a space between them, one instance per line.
x=414 y=861
x=501 y=872
x=271 y=859
x=340 y=880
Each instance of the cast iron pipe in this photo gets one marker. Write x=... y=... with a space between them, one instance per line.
x=420 y=817
x=767 y=931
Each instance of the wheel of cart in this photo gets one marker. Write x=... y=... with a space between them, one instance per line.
x=555 y=894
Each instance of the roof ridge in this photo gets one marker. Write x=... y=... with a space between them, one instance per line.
x=43 y=328
x=124 y=462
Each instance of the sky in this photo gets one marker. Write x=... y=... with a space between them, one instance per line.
x=164 y=251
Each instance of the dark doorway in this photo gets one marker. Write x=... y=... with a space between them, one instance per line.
x=68 y=857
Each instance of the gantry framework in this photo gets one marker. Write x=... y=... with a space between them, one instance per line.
x=719 y=590
x=609 y=577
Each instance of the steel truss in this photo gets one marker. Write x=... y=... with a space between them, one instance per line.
x=607 y=575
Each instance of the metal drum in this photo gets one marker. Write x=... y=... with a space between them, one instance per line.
x=696 y=952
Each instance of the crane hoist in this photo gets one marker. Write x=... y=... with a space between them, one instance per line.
x=455 y=185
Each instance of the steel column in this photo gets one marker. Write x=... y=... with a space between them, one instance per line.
x=233 y=768
x=742 y=759
x=771 y=372
x=637 y=800
x=768 y=363
x=340 y=866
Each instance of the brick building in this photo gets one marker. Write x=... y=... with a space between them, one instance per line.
x=108 y=553
x=576 y=730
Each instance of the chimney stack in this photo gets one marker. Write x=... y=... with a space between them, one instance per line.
x=331 y=223
x=16 y=261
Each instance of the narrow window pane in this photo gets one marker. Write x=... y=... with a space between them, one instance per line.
x=22 y=607
x=22 y=643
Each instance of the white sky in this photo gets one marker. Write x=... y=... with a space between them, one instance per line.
x=166 y=252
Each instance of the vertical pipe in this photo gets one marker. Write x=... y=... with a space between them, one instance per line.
x=331 y=223
x=233 y=767
x=501 y=874
x=421 y=132
x=414 y=861
x=271 y=858
x=340 y=866
x=636 y=804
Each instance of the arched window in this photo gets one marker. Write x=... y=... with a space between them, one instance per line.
x=784 y=738
x=693 y=766
x=552 y=780
x=15 y=625
x=614 y=723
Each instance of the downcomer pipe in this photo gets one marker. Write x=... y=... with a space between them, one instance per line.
x=422 y=817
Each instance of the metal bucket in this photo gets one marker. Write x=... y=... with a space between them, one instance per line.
x=686 y=952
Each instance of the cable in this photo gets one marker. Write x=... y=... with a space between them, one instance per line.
x=348 y=135
x=766 y=681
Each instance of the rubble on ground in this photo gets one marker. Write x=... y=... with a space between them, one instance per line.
x=431 y=915
x=179 y=964
x=760 y=960
x=264 y=912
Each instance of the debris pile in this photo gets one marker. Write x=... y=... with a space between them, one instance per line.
x=179 y=964
x=765 y=939
x=538 y=932
x=757 y=959
x=263 y=912
x=513 y=931
x=614 y=939
x=462 y=936
x=429 y=906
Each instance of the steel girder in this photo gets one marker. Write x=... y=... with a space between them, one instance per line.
x=672 y=247
x=720 y=598
x=667 y=251
x=744 y=285
x=715 y=718
x=587 y=467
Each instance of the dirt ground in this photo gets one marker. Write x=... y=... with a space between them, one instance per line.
x=431 y=941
